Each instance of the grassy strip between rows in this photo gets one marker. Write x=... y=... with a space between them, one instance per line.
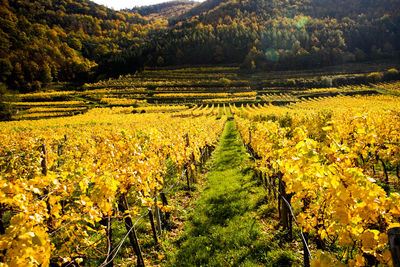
x=229 y=223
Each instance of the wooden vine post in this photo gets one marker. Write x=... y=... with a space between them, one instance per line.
x=249 y=136
x=186 y=136
x=284 y=208
x=153 y=227
x=306 y=204
x=289 y=198
x=394 y=243
x=43 y=163
x=385 y=171
x=44 y=159
x=260 y=176
x=109 y=242
x=123 y=206
x=166 y=215
x=60 y=150
x=201 y=158
x=2 y=228
x=191 y=170
x=106 y=222
x=280 y=198
x=157 y=214
x=266 y=183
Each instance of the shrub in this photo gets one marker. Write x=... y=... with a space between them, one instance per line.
x=339 y=81
x=375 y=77
x=392 y=73
x=291 y=82
x=326 y=81
x=225 y=82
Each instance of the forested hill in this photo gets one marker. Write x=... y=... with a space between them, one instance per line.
x=211 y=11
x=76 y=40
x=43 y=41
x=166 y=10
x=276 y=34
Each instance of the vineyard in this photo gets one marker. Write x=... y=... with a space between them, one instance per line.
x=186 y=87
x=148 y=170
x=66 y=184
x=333 y=164
x=239 y=133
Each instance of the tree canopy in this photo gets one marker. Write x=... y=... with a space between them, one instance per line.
x=69 y=40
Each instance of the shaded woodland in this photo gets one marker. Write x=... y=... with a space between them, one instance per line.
x=75 y=41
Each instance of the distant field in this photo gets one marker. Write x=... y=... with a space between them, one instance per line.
x=154 y=89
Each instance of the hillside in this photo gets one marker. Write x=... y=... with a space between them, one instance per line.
x=79 y=41
x=211 y=11
x=45 y=41
x=283 y=34
x=166 y=10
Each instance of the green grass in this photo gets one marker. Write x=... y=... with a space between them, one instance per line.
x=224 y=229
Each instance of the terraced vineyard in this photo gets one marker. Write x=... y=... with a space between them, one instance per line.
x=79 y=177
x=155 y=90
x=323 y=165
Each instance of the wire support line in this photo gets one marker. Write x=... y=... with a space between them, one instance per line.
x=294 y=218
x=115 y=251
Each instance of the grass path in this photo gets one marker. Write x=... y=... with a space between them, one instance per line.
x=224 y=229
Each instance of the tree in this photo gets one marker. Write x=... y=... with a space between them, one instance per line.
x=75 y=43
x=253 y=58
x=160 y=61
x=46 y=74
x=219 y=54
x=5 y=107
x=5 y=69
x=179 y=54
